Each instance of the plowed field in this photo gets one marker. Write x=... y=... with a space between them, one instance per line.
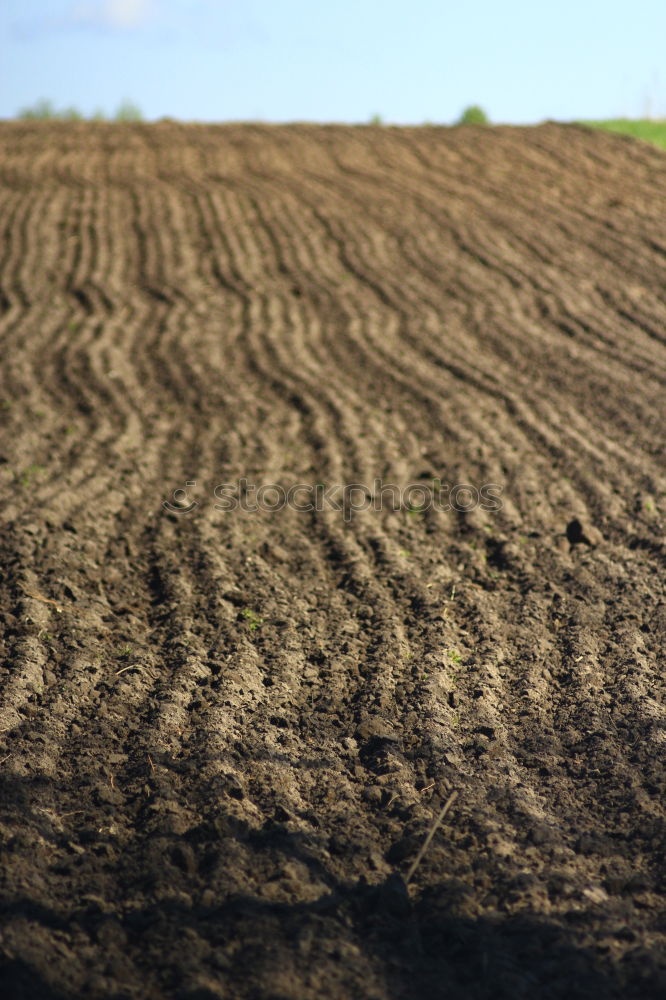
x=230 y=722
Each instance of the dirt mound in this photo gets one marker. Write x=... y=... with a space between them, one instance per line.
x=236 y=692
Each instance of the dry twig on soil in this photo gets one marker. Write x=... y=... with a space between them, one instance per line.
x=431 y=833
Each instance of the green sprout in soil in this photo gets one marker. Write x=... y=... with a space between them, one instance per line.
x=28 y=475
x=252 y=618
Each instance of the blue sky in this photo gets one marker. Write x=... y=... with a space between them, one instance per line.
x=285 y=60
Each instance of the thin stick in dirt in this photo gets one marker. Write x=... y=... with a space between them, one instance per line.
x=44 y=600
x=130 y=666
x=431 y=833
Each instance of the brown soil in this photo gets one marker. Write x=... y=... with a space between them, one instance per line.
x=226 y=735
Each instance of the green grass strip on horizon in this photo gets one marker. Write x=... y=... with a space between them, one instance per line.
x=646 y=129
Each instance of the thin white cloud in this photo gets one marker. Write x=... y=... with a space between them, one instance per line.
x=112 y=13
x=210 y=22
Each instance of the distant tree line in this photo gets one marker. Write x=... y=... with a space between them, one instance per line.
x=44 y=110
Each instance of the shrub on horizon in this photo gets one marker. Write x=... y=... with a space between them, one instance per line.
x=41 y=110
x=128 y=112
x=473 y=115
